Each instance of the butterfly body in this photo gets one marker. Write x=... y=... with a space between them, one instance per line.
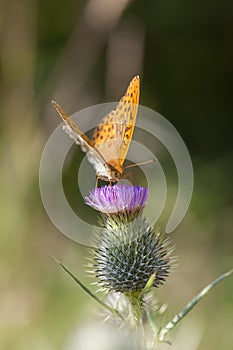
x=108 y=148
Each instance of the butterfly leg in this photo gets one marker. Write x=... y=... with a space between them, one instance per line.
x=97 y=181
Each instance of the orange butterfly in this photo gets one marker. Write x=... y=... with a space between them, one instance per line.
x=111 y=139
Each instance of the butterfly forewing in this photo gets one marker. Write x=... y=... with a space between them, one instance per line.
x=113 y=135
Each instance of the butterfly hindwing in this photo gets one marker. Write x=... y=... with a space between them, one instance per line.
x=94 y=157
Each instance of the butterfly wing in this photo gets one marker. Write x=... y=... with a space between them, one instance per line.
x=113 y=135
x=93 y=155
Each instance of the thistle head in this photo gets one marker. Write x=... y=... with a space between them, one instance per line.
x=128 y=255
x=129 y=251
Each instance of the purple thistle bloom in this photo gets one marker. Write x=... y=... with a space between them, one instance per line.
x=118 y=198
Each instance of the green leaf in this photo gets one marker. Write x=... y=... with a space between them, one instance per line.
x=149 y=283
x=88 y=291
x=170 y=325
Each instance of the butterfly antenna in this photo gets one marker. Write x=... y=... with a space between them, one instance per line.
x=59 y=110
x=136 y=164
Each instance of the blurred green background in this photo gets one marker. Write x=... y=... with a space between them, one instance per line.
x=82 y=53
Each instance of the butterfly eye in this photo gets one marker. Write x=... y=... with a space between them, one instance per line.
x=116 y=173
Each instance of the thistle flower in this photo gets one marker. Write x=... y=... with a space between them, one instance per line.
x=118 y=199
x=128 y=251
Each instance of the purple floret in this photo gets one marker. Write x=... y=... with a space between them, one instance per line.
x=118 y=198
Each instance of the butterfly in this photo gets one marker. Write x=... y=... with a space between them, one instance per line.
x=109 y=145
